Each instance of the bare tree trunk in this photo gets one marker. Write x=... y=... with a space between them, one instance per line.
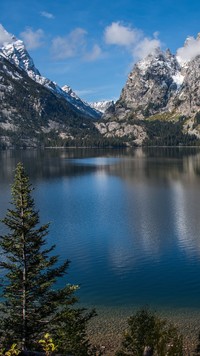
x=24 y=304
x=23 y=281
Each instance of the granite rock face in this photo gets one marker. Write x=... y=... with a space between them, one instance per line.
x=161 y=82
x=187 y=98
x=161 y=86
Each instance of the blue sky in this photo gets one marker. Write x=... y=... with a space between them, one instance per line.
x=91 y=45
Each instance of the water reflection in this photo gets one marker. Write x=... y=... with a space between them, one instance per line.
x=128 y=219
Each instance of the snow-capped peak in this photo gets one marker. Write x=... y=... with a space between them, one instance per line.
x=67 y=89
x=15 y=51
x=80 y=104
x=157 y=58
x=102 y=106
x=164 y=63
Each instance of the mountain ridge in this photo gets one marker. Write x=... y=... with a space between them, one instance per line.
x=159 y=104
x=159 y=87
x=16 y=53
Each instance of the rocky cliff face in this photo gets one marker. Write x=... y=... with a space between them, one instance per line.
x=187 y=98
x=150 y=86
x=160 y=83
x=160 y=87
x=160 y=103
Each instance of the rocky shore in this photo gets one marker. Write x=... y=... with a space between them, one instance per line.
x=105 y=330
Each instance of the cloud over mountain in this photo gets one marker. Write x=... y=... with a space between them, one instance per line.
x=145 y=47
x=131 y=38
x=190 y=50
x=32 y=39
x=118 y=34
x=5 y=37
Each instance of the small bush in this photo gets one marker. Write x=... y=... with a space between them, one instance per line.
x=150 y=335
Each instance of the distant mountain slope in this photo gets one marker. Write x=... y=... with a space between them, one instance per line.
x=102 y=106
x=32 y=115
x=33 y=109
x=159 y=105
x=81 y=105
x=17 y=54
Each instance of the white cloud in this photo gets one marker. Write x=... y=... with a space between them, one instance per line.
x=94 y=54
x=70 y=45
x=5 y=37
x=190 y=50
x=131 y=38
x=145 y=47
x=46 y=14
x=118 y=34
x=32 y=39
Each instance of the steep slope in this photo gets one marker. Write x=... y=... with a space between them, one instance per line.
x=32 y=115
x=162 y=90
x=187 y=98
x=15 y=51
x=81 y=105
x=149 y=86
x=160 y=83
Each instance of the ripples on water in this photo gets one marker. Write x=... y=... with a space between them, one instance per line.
x=128 y=220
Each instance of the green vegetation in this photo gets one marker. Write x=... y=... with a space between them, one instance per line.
x=150 y=335
x=31 y=306
x=166 y=116
x=37 y=316
x=166 y=133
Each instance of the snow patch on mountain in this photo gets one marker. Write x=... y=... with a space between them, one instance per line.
x=178 y=78
x=15 y=51
x=73 y=98
x=145 y=63
x=102 y=106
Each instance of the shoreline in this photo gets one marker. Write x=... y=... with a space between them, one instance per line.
x=106 y=329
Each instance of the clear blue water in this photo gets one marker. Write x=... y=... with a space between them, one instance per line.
x=129 y=220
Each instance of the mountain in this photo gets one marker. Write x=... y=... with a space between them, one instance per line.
x=150 y=85
x=32 y=115
x=33 y=109
x=161 y=90
x=81 y=105
x=159 y=104
x=102 y=106
x=17 y=54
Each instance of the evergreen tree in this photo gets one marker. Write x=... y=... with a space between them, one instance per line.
x=30 y=306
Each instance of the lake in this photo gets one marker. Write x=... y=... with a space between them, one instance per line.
x=128 y=220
